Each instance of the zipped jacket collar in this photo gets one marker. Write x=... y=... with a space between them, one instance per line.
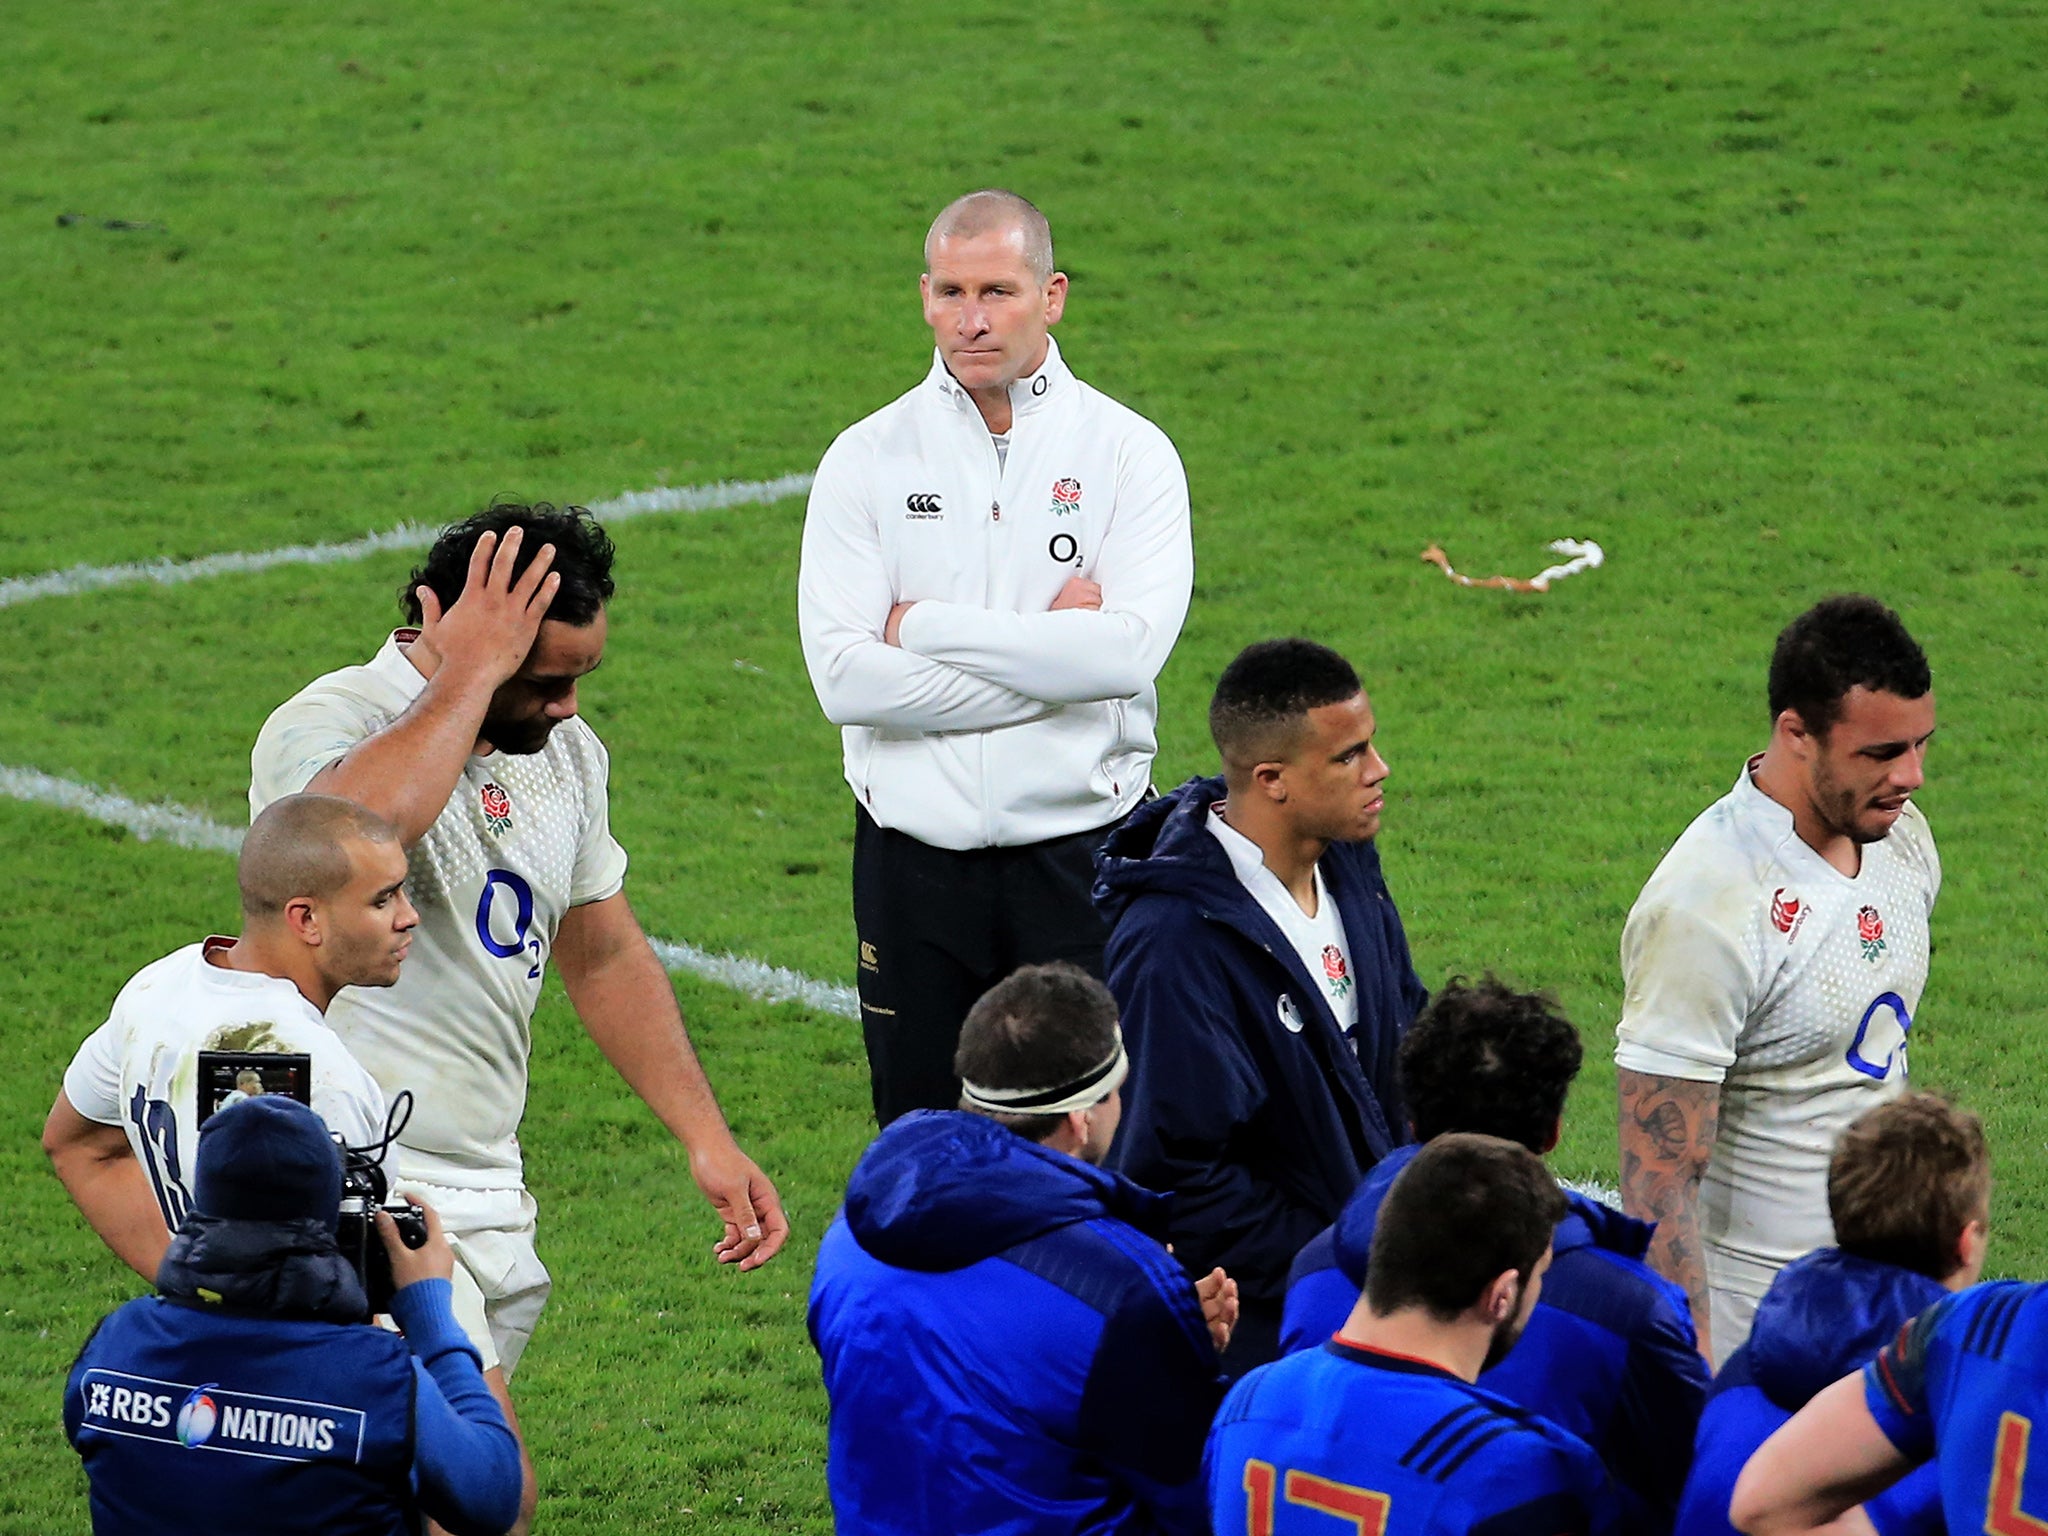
x=1033 y=393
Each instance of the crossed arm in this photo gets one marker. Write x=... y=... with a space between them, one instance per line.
x=1668 y=1127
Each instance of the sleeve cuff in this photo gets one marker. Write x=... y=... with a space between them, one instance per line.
x=425 y=1313
x=1639 y=1057
x=1910 y=1434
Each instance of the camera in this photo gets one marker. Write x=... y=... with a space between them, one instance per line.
x=363 y=1191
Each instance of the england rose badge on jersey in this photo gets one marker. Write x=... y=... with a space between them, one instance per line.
x=497 y=806
x=1336 y=974
x=1870 y=932
x=1066 y=495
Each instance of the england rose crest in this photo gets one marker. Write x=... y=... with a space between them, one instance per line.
x=1066 y=495
x=1335 y=971
x=1870 y=932
x=497 y=808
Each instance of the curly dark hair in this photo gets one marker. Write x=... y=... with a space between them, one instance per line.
x=583 y=558
x=1843 y=643
x=1487 y=1059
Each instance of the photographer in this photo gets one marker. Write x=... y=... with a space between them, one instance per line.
x=257 y=1347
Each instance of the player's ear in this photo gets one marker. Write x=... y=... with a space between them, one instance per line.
x=1790 y=728
x=303 y=917
x=1266 y=779
x=1502 y=1296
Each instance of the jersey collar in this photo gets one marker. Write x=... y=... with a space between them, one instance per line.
x=1386 y=1359
x=1031 y=393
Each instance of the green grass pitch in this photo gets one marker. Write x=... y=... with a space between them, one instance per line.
x=1749 y=293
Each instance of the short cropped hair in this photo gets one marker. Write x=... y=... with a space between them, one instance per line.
x=1036 y=1028
x=1261 y=704
x=1840 y=644
x=295 y=848
x=1488 y=1059
x=1905 y=1179
x=583 y=558
x=987 y=211
x=1466 y=1210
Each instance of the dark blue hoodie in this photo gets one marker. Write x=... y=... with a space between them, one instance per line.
x=1825 y=1316
x=1007 y=1345
x=1610 y=1352
x=1245 y=1099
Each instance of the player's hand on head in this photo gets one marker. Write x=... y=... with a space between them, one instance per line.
x=492 y=625
x=1079 y=592
x=1218 y=1295
x=434 y=1260
x=746 y=1201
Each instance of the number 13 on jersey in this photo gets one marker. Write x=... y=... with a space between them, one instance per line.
x=1360 y=1509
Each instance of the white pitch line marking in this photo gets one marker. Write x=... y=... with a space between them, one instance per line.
x=170 y=573
x=190 y=829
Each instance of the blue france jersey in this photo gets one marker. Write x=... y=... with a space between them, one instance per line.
x=1397 y=1447
x=1969 y=1377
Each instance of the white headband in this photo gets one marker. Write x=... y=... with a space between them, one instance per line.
x=1083 y=1092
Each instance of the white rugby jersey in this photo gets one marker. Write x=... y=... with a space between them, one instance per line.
x=1750 y=961
x=522 y=840
x=1318 y=940
x=140 y=1069
x=995 y=722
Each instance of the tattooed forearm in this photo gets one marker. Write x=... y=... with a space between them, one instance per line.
x=1668 y=1125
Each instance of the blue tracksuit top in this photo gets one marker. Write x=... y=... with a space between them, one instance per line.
x=236 y=1423
x=1007 y=1346
x=1825 y=1316
x=1245 y=1099
x=1609 y=1354
x=1347 y=1438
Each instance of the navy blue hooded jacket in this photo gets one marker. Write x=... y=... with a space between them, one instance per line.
x=1007 y=1346
x=253 y=1398
x=1245 y=1099
x=1610 y=1352
x=1825 y=1316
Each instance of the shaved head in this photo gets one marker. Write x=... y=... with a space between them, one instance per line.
x=994 y=211
x=297 y=848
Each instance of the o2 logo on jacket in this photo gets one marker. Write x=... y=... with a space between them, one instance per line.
x=196 y=1420
x=1290 y=1015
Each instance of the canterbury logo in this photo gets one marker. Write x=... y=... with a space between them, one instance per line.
x=922 y=502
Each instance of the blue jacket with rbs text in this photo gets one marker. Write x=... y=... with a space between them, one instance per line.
x=1245 y=1099
x=1609 y=1352
x=1008 y=1348
x=1825 y=1316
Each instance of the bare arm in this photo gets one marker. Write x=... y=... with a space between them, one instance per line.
x=624 y=999
x=1814 y=1473
x=1668 y=1126
x=99 y=1171
x=407 y=771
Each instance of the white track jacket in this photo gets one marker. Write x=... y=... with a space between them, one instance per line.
x=996 y=722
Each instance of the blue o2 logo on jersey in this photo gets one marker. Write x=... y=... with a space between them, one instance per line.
x=1881 y=1036
x=507 y=895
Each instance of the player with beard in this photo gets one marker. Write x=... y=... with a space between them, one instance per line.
x=1773 y=967
x=1382 y=1426
x=463 y=733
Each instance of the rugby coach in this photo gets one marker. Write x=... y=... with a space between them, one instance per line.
x=995 y=568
